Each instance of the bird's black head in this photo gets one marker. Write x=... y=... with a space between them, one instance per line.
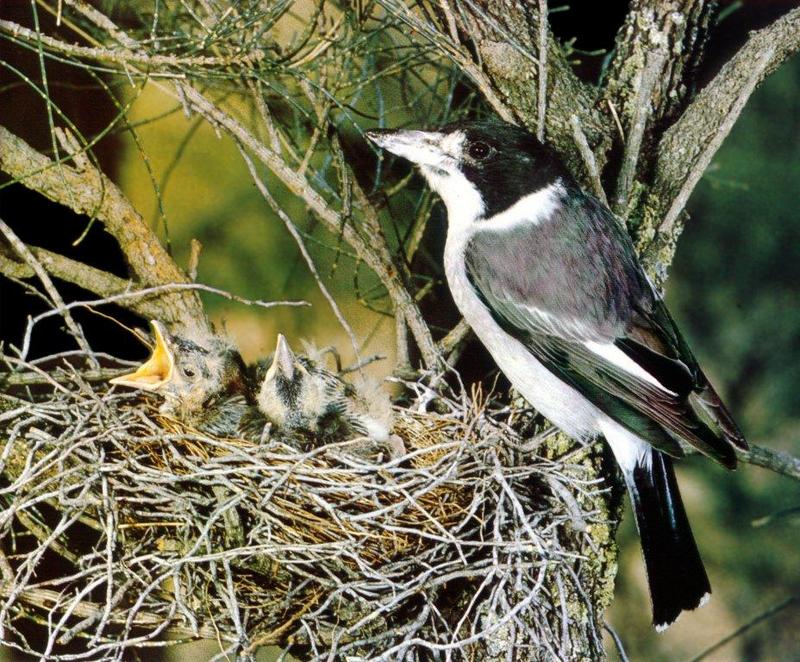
x=479 y=168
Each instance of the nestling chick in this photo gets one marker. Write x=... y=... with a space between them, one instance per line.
x=203 y=381
x=301 y=397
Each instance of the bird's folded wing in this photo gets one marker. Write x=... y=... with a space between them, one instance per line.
x=629 y=399
x=653 y=340
x=621 y=351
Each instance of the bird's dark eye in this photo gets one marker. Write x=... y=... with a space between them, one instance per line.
x=189 y=372
x=478 y=150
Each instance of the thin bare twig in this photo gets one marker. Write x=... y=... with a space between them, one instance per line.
x=541 y=96
x=24 y=252
x=376 y=254
x=777 y=461
x=769 y=613
x=92 y=193
x=694 y=138
x=703 y=159
x=642 y=106
x=588 y=158
x=290 y=226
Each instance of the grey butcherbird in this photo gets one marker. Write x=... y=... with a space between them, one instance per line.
x=549 y=281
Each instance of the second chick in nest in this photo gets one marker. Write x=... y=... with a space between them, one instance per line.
x=203 y=381
x=302 y=398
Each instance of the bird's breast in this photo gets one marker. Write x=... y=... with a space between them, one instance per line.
x=554 y=399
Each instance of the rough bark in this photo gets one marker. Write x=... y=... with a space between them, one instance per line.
x=87 y=191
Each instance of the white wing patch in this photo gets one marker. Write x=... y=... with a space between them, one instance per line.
x=532 y=209
x=620 y=359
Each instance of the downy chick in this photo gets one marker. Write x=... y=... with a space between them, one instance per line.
x=300 y=397
x=203 y=381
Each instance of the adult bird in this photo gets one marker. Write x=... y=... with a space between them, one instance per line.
x=549 y=281
x=203 y=381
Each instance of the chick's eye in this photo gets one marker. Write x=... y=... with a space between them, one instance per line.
x=478 y=150
x=189 y=372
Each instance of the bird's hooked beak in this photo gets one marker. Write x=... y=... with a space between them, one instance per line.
x=425 y=148
x=283 y=361
x=156 y=371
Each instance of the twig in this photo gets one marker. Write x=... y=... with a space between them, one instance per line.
x=450 y=50
x=46 y=599
x=127 y=57
x=642 y=104
x=695 y=137
x=457 y=335
x=588 y=158
x=31 y=378
x=376 y=254
x=747 y=626
x=93 y=194
x=777 y=461
x=401 y=342
x=703 y=159
x=367 y=360
x=617 y=642
x=170 y=287
x=83 y=275
x=290 y=226
x=541 y=97
x=51 y=290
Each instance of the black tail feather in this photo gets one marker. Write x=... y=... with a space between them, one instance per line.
x=675 y=572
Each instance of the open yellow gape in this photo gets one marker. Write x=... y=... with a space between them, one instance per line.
x=156 y=371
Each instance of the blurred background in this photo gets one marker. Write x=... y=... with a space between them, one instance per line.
x=734 y=289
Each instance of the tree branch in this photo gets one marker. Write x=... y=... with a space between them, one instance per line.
x=48 y=601
x=375 y=253
x=777 y=461
x=89 y=278
x=679 y=28
x=696 y=136
x=91 y=193
x=503 y=37
x=642 y=108
x=55 y=297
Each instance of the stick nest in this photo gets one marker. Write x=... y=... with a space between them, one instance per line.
x=122 y=529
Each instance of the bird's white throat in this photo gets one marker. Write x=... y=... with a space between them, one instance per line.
x=466 y=206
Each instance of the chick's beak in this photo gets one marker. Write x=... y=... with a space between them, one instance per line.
x=283 y=362
x=156 y=371
x=420 y=147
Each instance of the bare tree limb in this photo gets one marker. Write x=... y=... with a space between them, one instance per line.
x=777 y=461
x=83 y=275
x=508 y=32
x=703 y=160
x=642 y=103
x=541 y=100
x=679 y=27
x=696 y=136
x=292 y=229
x=588 y=158
x=500 y=61
x=47 y=599
x=92 y=193
x=125 y=57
